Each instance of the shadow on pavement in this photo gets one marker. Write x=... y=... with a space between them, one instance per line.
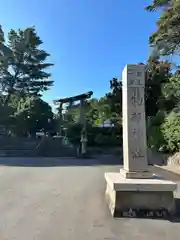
x=162 y=173
x=65 y=162
x=54 y=162
x=176 y=217
x=159 y=214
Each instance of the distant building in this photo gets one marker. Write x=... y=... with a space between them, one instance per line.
x=107 y=123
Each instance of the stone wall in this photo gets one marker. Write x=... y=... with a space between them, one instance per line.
x=163 y=158
x=33 y=147
x=158 y=158
x=174 y=159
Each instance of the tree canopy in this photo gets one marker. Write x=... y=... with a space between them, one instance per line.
x=23 y=79
x=24 y=63
x=167 y=37
x=24 y=76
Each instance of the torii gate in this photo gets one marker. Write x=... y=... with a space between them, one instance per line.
x=81 y=98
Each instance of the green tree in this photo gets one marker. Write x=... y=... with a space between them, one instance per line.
x=158 y=74
x=171 y=89
x=166 y=38
x=162 y=105
x=171 y=131
x=93 y=112
x=6 y=116
x=23 y=71
x=71 y=114
x=96 y=111
x=156 y=4
x=74 y=133
x=165 y=109
x=32 y=115
x=114 y=100
x=5 y=52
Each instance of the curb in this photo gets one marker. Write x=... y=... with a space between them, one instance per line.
x=168 y=170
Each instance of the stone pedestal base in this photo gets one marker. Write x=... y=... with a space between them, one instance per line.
x=128 y=197
x=137 y=175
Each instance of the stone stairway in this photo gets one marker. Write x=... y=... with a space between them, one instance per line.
x=32 y=147
x=54 y=148
x=18 y=147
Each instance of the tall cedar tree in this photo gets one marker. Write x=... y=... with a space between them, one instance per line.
x=23 y=67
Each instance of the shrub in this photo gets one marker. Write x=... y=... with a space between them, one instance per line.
x=155 y=136
x=74 y=133
x=112 y=135
x=108 y=141
x=171 y=131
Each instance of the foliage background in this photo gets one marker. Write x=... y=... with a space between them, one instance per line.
x=24 y=76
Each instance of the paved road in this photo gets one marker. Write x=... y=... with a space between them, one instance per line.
x=67 y=203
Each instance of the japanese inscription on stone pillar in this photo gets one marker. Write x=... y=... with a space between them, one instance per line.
x=134 y=129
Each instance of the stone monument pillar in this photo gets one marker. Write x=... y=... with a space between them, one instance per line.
x=134 y=125
x=133 y=188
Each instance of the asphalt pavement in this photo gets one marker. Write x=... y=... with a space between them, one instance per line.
x=65 y=201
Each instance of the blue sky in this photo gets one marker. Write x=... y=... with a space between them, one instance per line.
x=90 y=41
